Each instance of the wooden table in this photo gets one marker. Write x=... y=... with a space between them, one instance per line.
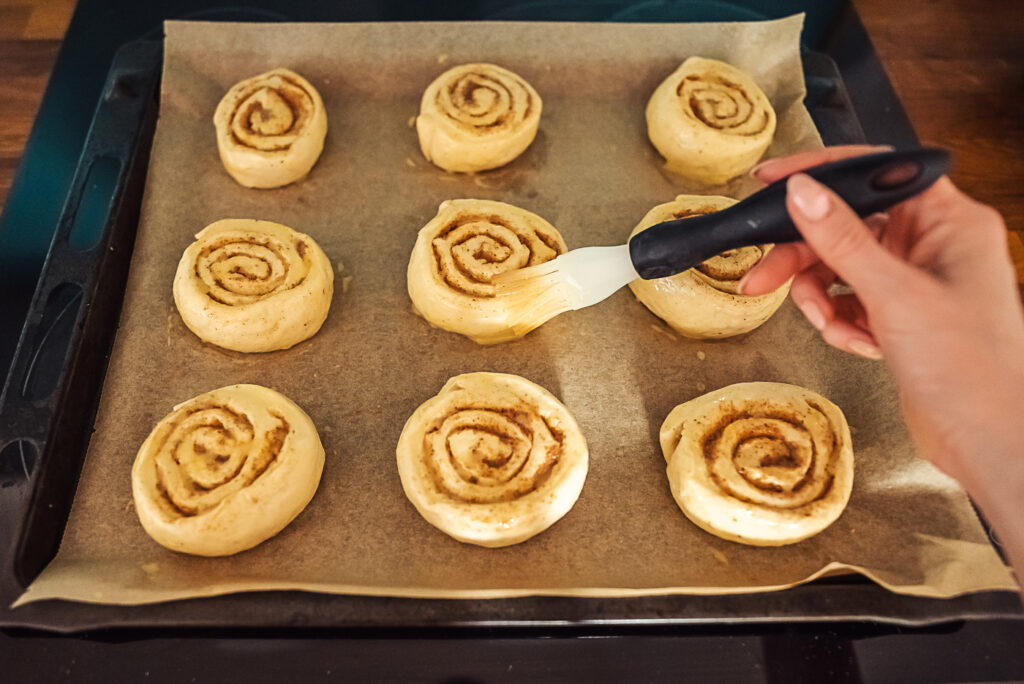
x=958 y=66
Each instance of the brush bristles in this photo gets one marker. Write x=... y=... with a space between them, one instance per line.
x=533 y=296
x=537 y=313
x=513 y=280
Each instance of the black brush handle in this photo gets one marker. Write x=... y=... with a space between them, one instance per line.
x=869 y=184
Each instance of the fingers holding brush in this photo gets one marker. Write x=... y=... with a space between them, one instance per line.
x=779 y=265
x=772 y=170
x=838 y=246
x=787 y=260
x=841 y=318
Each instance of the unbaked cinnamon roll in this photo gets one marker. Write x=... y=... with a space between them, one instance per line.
x=760 y=463
x=253 y=286
x=477 y=116
x=492 y=460
x=226 y=471
x=458 y=254
x=270 y=129
x=710 y=121
x=704 y=301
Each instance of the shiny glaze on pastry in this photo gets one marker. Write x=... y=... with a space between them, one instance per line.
x=460 y=251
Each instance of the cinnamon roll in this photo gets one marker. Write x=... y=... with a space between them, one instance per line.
x=710 y=121
x=458 y=254
x=270 y=129
x=253 y=286
x=492 y=460
x=226 y=471
x=477 y=116
x=704 y=301
x=759 y=463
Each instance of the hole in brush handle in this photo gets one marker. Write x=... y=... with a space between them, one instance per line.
x=896 y=176
x=877 y=182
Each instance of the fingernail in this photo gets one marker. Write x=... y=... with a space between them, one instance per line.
x=813 y=314
x=877 y=221
x=868 y=351
x=809 y=197
x=741 y=286
x=758 y=168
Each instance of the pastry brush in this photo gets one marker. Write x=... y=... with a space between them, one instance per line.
x=583 y=277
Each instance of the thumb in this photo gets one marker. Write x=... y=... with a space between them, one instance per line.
x=840 y=239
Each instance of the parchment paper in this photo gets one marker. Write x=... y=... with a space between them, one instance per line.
x=592 y=173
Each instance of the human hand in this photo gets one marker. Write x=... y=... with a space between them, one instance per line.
x=933 y=293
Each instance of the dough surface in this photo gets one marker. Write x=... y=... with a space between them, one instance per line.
x=253 y=286
x=270 y=129
x=458 y=254
x=475 y=117
x=759 y=463
x=710 y=121
x=703 y=302
x=226 y=471
x=492 y=459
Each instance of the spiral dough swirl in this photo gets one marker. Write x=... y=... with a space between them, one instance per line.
x=724 y=271
x=270 y=129
x=458 y=254
x=211 y=453
x=759 y=463
x=705 y=301
x=493 y=459
x=480 y=455
x=710 y=120
x=226 y=470
x=475 y=117
x=721 y=104
x=253 y=285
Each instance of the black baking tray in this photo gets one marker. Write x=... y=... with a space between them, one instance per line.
x=51 y=396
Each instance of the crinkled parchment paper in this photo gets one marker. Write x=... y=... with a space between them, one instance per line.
x=592 y=173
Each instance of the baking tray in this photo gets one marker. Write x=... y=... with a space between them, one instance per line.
x=49 y=404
